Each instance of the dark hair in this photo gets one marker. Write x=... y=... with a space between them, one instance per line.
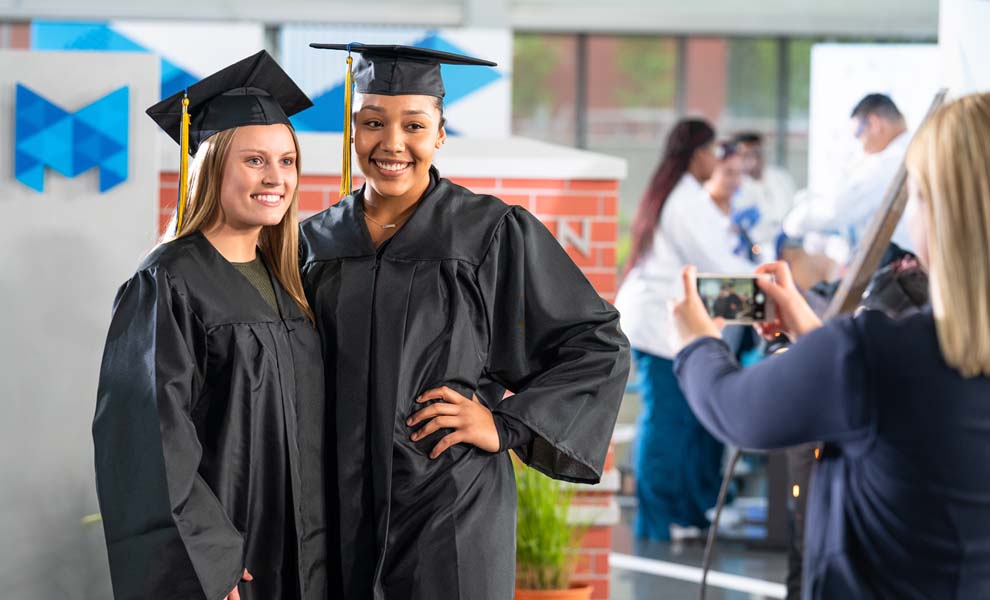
x=727 y=150
x=748 y=137
x=438 y=104
x=877 y=104
x=686 y=137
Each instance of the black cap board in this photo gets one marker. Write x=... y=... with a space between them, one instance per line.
x=252 y=91
x=401 y=70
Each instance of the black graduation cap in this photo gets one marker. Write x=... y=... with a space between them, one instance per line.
x=252 y=91
x=401 y=70
x=391 y=70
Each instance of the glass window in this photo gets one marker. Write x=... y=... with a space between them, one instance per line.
x=734 y=84
x=544 y=82
x=631 y=106
x=632 y=90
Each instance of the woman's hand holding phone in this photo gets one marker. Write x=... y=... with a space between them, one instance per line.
x=690 y=317
x=793 y=317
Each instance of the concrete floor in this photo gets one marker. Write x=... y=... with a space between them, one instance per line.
x=735 y=558
x=730 y=557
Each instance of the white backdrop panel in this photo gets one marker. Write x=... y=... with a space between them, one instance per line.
x=841 y=74
x=63 y=254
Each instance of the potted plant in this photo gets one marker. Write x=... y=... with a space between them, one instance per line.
x=546 y=542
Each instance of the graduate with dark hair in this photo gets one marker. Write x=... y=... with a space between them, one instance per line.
x=432 y=302
x=209 y=429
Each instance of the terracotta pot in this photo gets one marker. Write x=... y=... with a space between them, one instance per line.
x=577 y=591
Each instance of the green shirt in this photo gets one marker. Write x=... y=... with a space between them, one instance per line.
x=257 y=273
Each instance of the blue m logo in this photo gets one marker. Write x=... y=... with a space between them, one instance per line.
x=70 y=143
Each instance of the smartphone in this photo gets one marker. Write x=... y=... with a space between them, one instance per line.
x=735 y=297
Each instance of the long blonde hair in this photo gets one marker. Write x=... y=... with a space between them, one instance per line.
x=279 y=243
x=949 y=160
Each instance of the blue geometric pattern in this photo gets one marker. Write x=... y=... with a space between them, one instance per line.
x=70 y=143
x=63 y=35
x=458 y=80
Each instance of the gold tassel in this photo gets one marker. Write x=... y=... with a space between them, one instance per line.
x=183 y=164
x=345 y=170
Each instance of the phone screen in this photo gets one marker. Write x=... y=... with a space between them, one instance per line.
x=733 y=297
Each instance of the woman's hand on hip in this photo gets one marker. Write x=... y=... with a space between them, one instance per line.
x=471 y=421
x=690 y=317
x=793 y=315
x=236 y=595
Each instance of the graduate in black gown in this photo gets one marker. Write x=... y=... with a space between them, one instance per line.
x=209 y=428
x=432 y=301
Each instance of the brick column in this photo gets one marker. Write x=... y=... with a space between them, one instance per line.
x=595 y=507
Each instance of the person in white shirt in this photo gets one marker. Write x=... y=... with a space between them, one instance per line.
x=677 y=223
x=859 y=189
x=765 y=195
x=723 y=188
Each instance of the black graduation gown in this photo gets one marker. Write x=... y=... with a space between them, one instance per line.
x=479 y=296
x=209 y=435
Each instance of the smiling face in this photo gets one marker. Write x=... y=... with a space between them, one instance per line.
x=259 y=177
x=394 y=139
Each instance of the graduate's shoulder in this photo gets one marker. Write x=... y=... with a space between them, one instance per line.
x=465 y=222
x=170 y=265
x=489 y=213
x=173 y=257
x=330 y=234
x=467 y=204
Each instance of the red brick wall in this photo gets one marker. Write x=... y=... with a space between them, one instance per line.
x=580 y=213
x=592 y=564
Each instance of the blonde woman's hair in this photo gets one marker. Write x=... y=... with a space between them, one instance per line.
x=949 y=161
x=279 y=243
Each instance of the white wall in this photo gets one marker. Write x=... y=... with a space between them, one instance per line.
x=63 y=253
x=841 y=74
x=965 y=46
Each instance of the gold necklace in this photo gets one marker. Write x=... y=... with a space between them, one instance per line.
x=382 y=225
x=402 y=217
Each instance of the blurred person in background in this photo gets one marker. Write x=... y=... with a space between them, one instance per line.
x=766 y=192
x=899 y=506
x=723 y=187
x=677 y=462
x=859 y=188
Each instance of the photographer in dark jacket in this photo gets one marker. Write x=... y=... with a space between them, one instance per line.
x=900 y=502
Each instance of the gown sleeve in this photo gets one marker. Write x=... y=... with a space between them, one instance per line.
x=817 y=390
x=556 y=345
x=167 y=534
